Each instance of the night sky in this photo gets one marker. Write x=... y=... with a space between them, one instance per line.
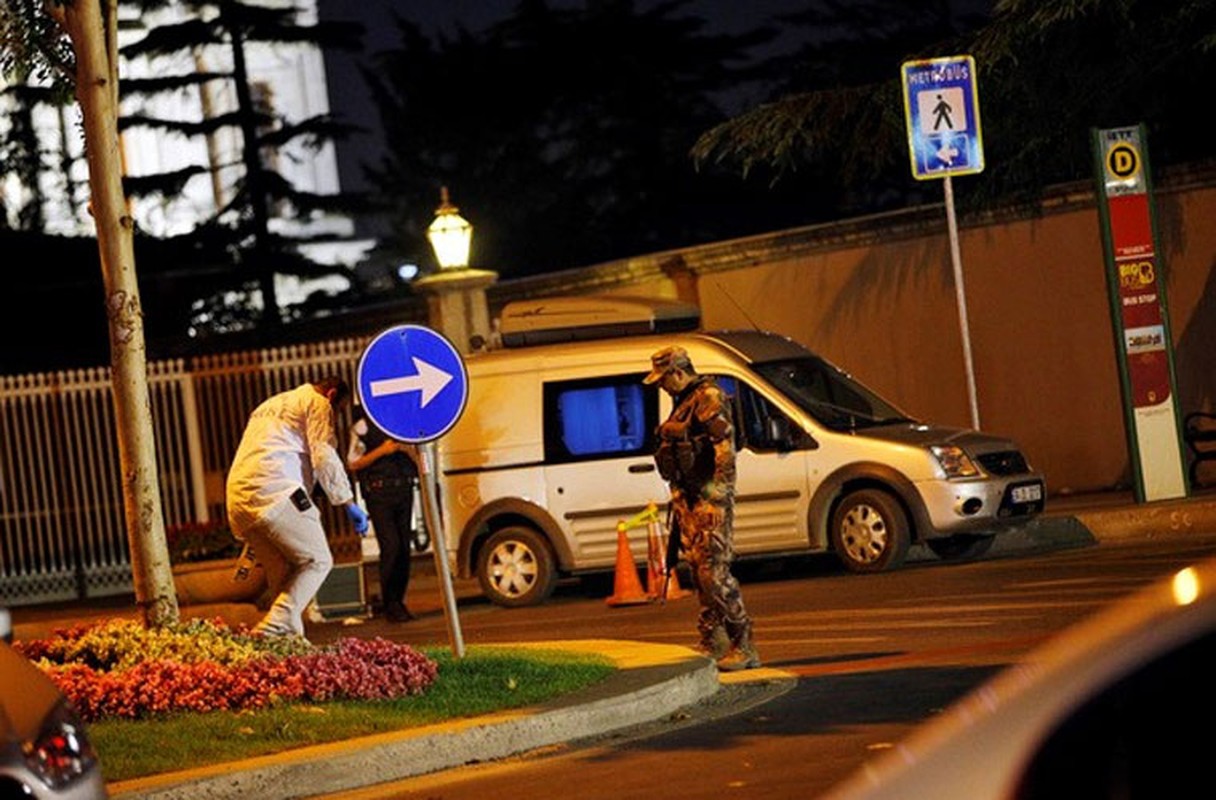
x=352 y=103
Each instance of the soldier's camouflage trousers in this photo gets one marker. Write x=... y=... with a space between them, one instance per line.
x=706 y=537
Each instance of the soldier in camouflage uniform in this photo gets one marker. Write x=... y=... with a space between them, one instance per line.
x=696 y=456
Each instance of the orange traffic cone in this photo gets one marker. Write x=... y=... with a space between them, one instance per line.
x=627 y=588
x=654 y=562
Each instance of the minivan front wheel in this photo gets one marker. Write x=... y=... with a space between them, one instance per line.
x=870 y=531
x=516 y=568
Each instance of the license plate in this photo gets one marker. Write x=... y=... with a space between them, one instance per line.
x=1031 y=493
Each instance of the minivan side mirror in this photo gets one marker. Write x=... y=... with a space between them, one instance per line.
x=779 y=432
x=786 y=436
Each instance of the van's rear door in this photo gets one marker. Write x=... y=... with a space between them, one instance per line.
x=591 y=498
x=599 y=465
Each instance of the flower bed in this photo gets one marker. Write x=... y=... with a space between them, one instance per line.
x=118 y=668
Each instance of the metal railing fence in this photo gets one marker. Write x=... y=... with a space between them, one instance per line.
x=62 y=530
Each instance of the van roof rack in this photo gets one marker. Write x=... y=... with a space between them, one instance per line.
x=568 y=319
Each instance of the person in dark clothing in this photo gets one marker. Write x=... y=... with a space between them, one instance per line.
x=386 y=470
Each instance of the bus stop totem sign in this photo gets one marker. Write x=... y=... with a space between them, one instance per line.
x=941 y=105
x=1139 y=312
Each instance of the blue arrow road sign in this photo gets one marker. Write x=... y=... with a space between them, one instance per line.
x=942 y=107
x=412 y=383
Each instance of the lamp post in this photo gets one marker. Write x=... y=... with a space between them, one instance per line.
x=450 y=234
x=456 y=294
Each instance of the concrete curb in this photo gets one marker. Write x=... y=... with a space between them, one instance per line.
x=1046 y=532
x=1089 y=524
x=652 y=681
x=1042 y=533
x=1151 y=521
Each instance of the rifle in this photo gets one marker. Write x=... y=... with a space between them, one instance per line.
x=673 y=550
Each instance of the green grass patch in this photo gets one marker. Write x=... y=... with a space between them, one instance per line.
x=485 y=680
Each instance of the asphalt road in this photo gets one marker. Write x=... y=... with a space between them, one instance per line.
x=873 y=655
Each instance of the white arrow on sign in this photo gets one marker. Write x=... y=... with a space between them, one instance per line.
x=430 y=380
x=947 y=154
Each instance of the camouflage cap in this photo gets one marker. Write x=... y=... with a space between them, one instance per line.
x=665 y=361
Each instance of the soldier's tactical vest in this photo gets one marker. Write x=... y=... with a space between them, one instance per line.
x=685 y=456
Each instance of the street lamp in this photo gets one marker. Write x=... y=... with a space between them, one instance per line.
x=456 y=295
x=450 y=234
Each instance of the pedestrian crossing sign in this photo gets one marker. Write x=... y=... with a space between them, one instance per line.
x=942 y=108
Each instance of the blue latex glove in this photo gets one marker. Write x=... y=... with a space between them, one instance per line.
x=359 y=517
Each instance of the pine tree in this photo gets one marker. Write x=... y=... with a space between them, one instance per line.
x=222 y=32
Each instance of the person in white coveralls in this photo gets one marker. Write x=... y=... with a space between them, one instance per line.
x=288 y=447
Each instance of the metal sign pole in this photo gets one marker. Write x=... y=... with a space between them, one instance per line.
x=942 y=108
x=413 y=386
x=434 y=523
x=961 y=293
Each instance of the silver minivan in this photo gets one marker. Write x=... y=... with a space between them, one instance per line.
x=555 y=448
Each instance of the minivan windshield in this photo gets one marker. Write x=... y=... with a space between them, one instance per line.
x=828 y=394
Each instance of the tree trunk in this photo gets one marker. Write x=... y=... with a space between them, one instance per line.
x=95 y=45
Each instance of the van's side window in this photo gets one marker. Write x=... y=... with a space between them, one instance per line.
x=588 y=419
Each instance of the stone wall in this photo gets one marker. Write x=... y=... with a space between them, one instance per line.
x=876 y=296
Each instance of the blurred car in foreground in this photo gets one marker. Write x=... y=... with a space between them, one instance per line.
x=1119 y=706
x=44 y=749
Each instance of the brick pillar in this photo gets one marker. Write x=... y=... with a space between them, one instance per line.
x=456 y=304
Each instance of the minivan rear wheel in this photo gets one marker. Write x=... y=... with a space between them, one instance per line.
x=870 y=531
x=516 y=568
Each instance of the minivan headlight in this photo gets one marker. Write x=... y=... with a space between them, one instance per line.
x=955 y=463
x=61 y=752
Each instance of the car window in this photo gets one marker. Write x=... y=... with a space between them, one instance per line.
x=829 y=394
x=600 y=417
x=753 y=416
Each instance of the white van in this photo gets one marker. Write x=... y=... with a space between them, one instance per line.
x=556 y=445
